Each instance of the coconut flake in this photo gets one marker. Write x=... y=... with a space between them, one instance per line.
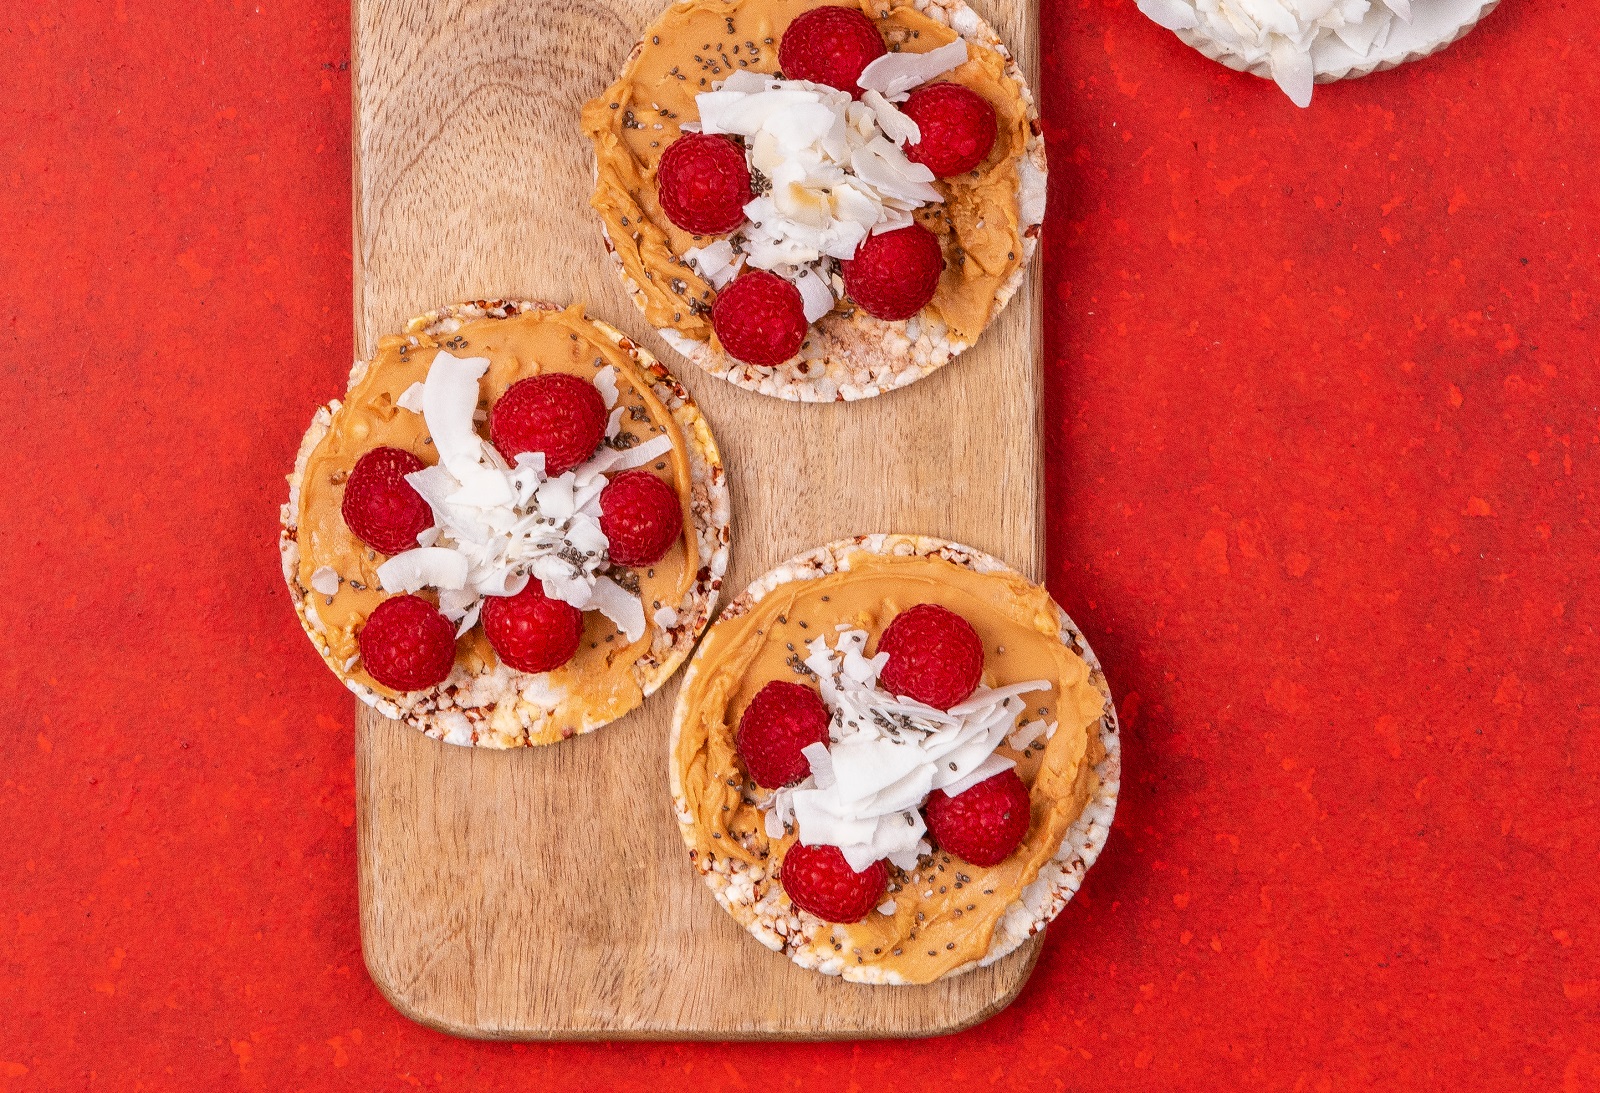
x=425 y=567
x=715 y=262
x=1026 y=734
x=411 y=399
x=612 y=600
x=814 y=294
x=887 y=907
x=470 y=618
x=605 y=381
x=991 y=765
x=449 y=399
x=894 y=74
x=325 y=579
x=639 y=454
x=896 y=125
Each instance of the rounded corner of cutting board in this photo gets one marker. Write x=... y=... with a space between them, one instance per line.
x=406 y=944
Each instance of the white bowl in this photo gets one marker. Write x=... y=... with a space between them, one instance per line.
x=1434 y=24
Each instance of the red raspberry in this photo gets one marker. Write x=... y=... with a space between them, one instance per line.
x=819 y=880
x=830 y=46
x=558 y=414
x=530 y=631
x=641 y=517
x=781 y=719
x=894 y=274
x=759 y=318
x=935 y=656
x=704 y=183
x=407 y=644
x=957 y=124
x=380 y=507
x=984 y=823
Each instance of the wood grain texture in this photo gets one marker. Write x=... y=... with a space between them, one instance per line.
x=546 y=893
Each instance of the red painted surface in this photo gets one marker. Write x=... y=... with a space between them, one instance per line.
x=1323 y=448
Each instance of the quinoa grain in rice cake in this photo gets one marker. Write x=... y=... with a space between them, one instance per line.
x=819 y=201
x=893 y=759
x=512 y=528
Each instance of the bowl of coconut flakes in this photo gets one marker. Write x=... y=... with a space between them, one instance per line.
x=1300 y=43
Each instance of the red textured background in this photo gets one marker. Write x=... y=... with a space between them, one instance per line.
x=1323 y=416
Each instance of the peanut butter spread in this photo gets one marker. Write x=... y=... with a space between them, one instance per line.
x=945 y=911
x=527 y=344
x=698 y=43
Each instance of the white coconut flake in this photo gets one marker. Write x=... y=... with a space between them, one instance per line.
x=814 y=294
x=612 y=600
x=449 y=399
x=470 y=619
x=894 y=74
x=496 y=527
x=605 y=381
x=888 y=907
x=411 y=399
x=994 y=764
x=425 y=567
x=1027 y=734
x=887 y=753
x=636 y=456
x=716 y=262
x=896 y=125
x=325 y=580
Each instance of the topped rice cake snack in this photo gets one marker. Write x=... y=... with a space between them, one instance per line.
x=819 y=202
x=511 y=530
x=894 y=758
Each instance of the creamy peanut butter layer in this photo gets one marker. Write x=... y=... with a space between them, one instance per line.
x=483 y=701
x=945 y=914
x=987 y=223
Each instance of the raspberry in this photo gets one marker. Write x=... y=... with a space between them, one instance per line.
x=380 y=507
x=830 y=46
x=984 y=823
x=781 y=719
x=819 y=880
x=558 y=414
x=894 y=274
x=957 y=124
x=641 y=516
x=935 y=656
x=407 y=644
x=530 y=631
x=759 y=318
x=704 y=183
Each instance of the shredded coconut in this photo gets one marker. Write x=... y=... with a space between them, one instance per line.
x=497 y=527
x=886 y=754
x=832 y=170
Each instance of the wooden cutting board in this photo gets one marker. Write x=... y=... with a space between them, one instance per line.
x=546 y=893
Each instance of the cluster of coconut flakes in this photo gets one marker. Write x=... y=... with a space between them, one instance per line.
x=887 y=753
x=498 y=526
x=834 y=169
